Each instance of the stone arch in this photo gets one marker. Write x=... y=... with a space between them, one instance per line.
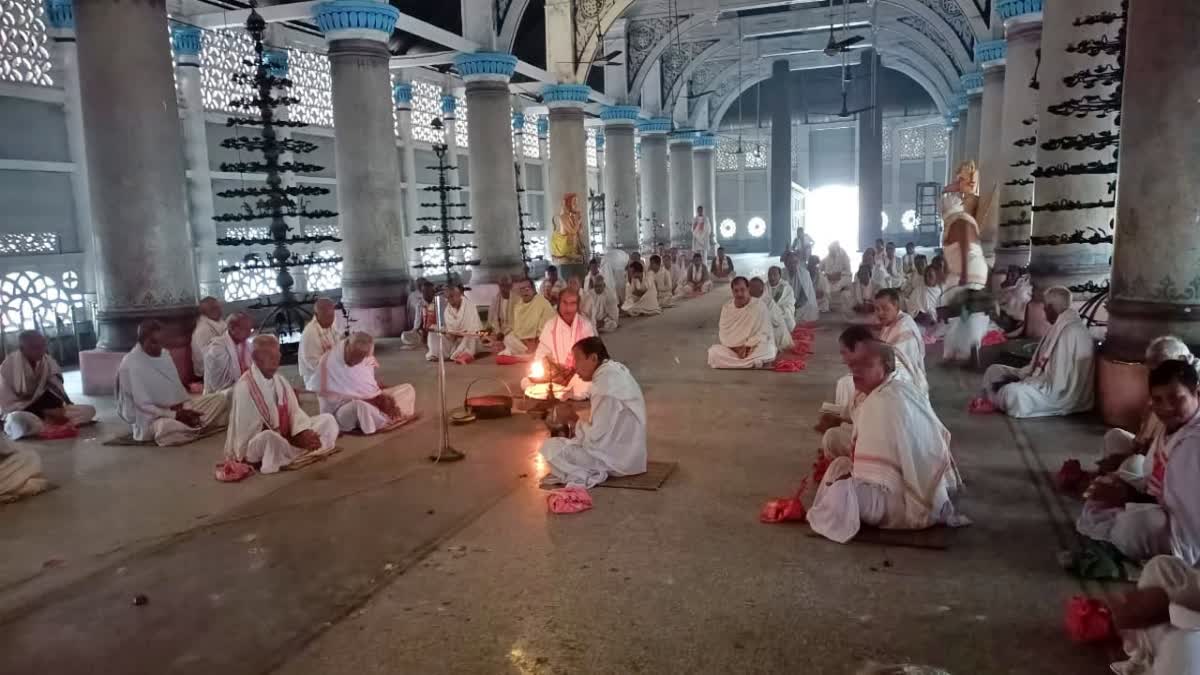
x=686 y=76
x=960 y=55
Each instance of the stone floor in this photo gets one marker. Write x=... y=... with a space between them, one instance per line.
x=380 y=562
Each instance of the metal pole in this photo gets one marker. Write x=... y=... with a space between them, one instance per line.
x=445 y=452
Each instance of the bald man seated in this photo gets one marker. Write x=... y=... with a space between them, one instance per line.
x=152 y=400
x=347 y=387
x=209 y=326
x=318 y=338
x=267 y=426
x=32 y=393
x=228 y=355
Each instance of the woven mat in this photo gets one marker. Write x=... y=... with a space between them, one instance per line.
x=391 y=427
x=933 y=538
x=656 y=474
x=127 y=439
x=311 y=458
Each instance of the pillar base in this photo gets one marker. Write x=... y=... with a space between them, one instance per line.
x=1011 y=256
x=490 y=274
x=1121 y=392
x=380 y=321
x=98 y=371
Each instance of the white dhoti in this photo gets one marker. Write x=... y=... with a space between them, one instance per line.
x=1171 y=648
x=452 y=348
x=363 y=416
x=842 y=506
x=515 y=346
x=964 y=335
x=273 y=452
x=720 y=356
x=21 y=424
x=214 y=413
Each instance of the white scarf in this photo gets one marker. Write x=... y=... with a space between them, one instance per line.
x=697 y=274
x=465 y=319
x=744 y=326
x=337 y=382
x=905 y=337
x=256 y=401
x=500 y=313
x=21 y=384
x=205 y=332
x=314 y=342
x=230 y=360
x=147 y=388
x=558 y=338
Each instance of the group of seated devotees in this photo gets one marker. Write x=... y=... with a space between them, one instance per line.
x=1059 y=378
x=613 y=441
x=32 y=395
x=897 y=471
x=745 y=337
x=348 y=389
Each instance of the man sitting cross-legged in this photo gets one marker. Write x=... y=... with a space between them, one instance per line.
x=721 y=268
x=499 y=317
x=152 y=400
x=347 y=388
x=901 y=474
x=1059 y=378
x=901 y=332
x=1160 y=621
x=555 y=343
x=460 y=320
x=779 y=329
x=613 y=442
x=600 y=305
x=746 y=339
x=209 y=326
x=783 y=295
x=228 y=355
x=32 y=393
x=530 y=313
x=641 y=292
x=318 y=338
x=552 y=285
x=1141 y=524
x=663 y=282
x=267 y=426
x=694 y=280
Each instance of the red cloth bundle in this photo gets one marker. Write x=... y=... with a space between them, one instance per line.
x=784 y=509
x=571 y=499
x=54 y=432
x=994 y=337
x=232 y=471
x=1071 y=477
x=789 y=364
x=980 y=406
x=506 y=360
x=1089 y=620
x=820 y=467
x=464 y=358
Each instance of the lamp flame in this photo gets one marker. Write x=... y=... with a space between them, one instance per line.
x=537 y=370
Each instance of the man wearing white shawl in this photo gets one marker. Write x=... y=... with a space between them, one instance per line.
x=1141 y=524
x=802 y=288
x=319 y=337
x=32 y=392
x=209 y=326
x=1015 y=294
x=722 y=266
x=702 y=234
x=552 y=285
x=1059 y=378
x=783 y=296
x=557 y=340
x=20 y=474
x=641 y=293
x=663 y=282
x=678 y=264
x=902 y=475
x=744 y=332
x=347 y=389
x=1160 y=621
x=901 y=332
x=613 y=441
x=152 y=400
x=267 y=426
x=461 y=322
x=820 y=284
x=530 y=313
x=228 y=356
x=694 y=280
x=600 y=306
x=840 y=274
x=779 y=329
x=499 y=317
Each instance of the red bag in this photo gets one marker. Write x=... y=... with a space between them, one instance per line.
x=820 y=467
x=784 y=509
x=1089 y=620
x=1071 y=477
x=54 y=432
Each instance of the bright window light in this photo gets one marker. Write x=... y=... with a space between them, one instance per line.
x=728 y=228
x=909 y=220
x=883 y=220
x=757 y=227
x=832 y=215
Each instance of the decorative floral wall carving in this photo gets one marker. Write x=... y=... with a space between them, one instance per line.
x=24 y=57
x=641 y=36
x=935 y=36
x=676 y=58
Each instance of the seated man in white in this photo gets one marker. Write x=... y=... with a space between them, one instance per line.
x=552 y=285
x=641 y=293
x=152 y=400
x=663 y=282
x=678 y=263
x=267 y=426
x=318 y=338
x=347 y=388
x=460 y=321
x=499 y=317
x=904 y=335
x=779 y=329
x=600 y=306
x=722 y=266
x=554 y=345
x=836 y=268
x=836 y=425
x=901 y=475
x=694 y=280
x=228 y=356
x=1059 y=378
x=530 y=312
x=820 y=283
x=745 y=336
x=424 y=314
x=1160 y=621
x=807 y=309
x=1139 y=523
x=209 y=326
x=613 y=442
x=32 y=393
x=781 y=293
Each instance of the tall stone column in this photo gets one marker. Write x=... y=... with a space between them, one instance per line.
x=964 y=121
x=187 y=43
x=1070 y=204
x=601 y=141
x=990 y=57
x=656 y=200
x=680 y=177
x=1018 y=137
x=568 y=148
x=952 y=146
x=60 y=20
x=493 y=179
x=972 y=84
x=704 y=177
x=547 y=214
x=779 y=171
x=144 y=259
x=402 y=98
x=450 y=123
x=620 y=178
x=870 y=151
x=1155 y=282
x=375 y=264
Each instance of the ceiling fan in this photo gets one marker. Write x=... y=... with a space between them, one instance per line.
x=846 y=111
x=836 y=46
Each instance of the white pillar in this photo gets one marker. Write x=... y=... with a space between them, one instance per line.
x=682 y=202
x=547 y=214
x=568 y=152
x=656 y=202
x=375 y=264
x=1018 y=138
x=704 y=178
x=972 y=84
x=402 y=98
x=990 y=56
x=620 y=178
